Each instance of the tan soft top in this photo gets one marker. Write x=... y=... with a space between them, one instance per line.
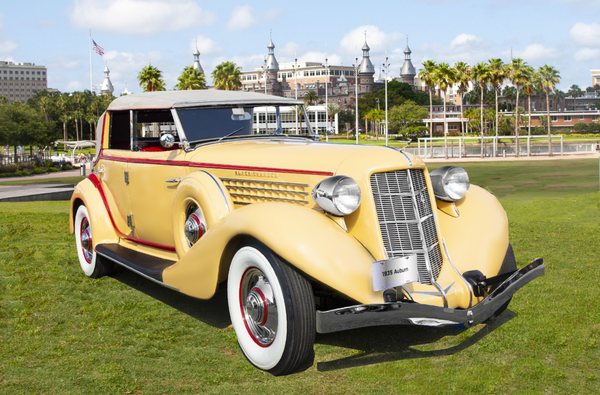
x=195 y=98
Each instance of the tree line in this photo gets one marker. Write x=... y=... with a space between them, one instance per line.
x=50 y=116
x=490 y=76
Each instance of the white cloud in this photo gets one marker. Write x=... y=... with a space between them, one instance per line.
x=378 y=40
x=126 y=65
x=7 y=46
x=241 y=18
x=584 y=54
x=204 y=44
x=290 y=49
x=534 y=52
x=316 y=56
x=73 y=86
x=141 y=17
x=465 y=40
x=586 y=34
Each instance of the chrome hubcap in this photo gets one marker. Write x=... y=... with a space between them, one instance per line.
x=86 y=240
x=258 y=307
x=194 y=226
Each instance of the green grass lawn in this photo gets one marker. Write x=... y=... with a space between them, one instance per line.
x=64 y=333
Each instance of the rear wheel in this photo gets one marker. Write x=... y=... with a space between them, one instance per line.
x=91 y=264
x=272 y=311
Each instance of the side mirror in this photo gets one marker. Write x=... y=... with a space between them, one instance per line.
x=167 y=140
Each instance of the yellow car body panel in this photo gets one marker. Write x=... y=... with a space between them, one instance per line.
x=330 y=255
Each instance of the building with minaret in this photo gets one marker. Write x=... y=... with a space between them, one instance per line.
x=366 y=71
x=407 y=73
x=271 y=71
x=196 y=65
x=296 y=79
x=107 y=87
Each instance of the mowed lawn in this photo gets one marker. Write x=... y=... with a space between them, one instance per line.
x=63 y=333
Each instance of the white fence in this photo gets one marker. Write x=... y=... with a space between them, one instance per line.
x=501 y=146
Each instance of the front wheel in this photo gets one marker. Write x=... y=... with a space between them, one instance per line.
x=272 y=311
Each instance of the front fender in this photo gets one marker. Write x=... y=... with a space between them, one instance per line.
x=305 y=238
x=476 y=239
x=103 y=230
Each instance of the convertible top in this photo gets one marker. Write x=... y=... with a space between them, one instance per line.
x=195 y=98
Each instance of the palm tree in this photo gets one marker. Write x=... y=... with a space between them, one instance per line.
x=310 y=98
x=517 y=73
x=481 y=76
x=150 y=79
x=445 y=77
x=191 y=79
x=497 y=72
x=427 y=76
x=528 y=88
x=227 y=76
x=549 y=77
x=462 y=74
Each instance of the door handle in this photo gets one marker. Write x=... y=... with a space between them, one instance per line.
x=173 y=180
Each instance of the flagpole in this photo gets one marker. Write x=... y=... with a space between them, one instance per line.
x=90 y=50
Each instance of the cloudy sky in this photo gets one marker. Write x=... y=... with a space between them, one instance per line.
x=133 y=33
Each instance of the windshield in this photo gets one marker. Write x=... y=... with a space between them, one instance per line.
x=210 y=123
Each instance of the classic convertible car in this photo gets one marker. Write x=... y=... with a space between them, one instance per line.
x=189 y=189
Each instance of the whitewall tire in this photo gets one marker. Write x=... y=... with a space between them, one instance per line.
x=272 y=311
x=90 y=263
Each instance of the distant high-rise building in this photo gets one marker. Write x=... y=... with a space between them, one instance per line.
x=20 y=81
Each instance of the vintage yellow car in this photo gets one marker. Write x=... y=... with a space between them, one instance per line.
x=189 y=190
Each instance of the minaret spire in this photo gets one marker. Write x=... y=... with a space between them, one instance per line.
x=366 y=67
x=196 y=65
x=107 y=86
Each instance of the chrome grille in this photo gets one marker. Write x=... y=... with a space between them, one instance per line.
x=406 y=219
x=244 y=192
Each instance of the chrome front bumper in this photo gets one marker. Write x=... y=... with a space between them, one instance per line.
x=403 y=313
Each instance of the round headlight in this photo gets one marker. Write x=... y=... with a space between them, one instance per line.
x=450 y=183
x=338 y=195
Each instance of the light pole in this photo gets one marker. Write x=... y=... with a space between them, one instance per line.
x=296 y=89
x=326 y=102
x=266 y=112
x=356 y=98
x=386 y=65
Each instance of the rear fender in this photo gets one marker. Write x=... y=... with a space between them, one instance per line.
x=305 y=238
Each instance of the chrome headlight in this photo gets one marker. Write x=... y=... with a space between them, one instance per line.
x=338 y=195
x=450 y=183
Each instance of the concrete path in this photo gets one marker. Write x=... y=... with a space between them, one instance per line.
x=34 y=192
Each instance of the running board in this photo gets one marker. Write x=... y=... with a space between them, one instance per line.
x=145 y=265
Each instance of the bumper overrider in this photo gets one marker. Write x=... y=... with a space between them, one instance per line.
x=408 y=313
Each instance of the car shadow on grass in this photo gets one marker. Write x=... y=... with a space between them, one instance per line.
x=213 y=312
x=394 y=343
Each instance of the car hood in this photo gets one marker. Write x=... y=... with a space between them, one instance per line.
x=299 y=155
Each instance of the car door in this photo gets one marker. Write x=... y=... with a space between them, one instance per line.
x=154 y=172
x=112 y=169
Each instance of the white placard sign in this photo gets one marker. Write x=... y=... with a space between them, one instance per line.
x=394 y=272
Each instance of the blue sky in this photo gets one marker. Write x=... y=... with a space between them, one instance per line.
x=562 y=33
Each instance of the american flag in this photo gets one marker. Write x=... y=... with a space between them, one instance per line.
x=99 y=50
